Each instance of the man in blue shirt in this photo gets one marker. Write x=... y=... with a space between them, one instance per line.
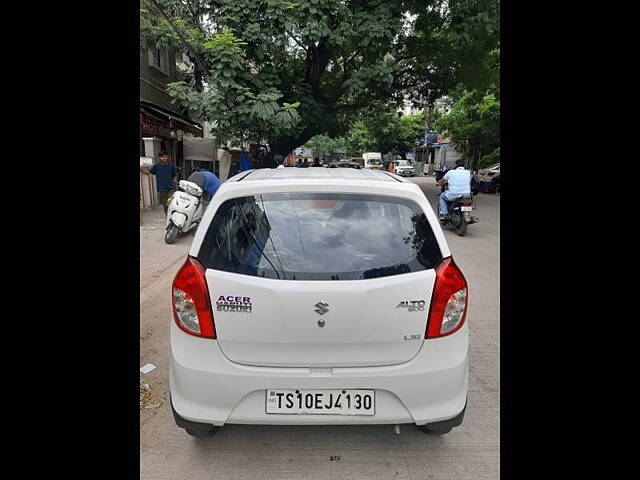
x=208 y=182
x=459 y=185
x=165 y=173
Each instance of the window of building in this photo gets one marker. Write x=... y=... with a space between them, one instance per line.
x=159 y=59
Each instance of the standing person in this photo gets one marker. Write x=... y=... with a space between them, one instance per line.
x=209 y=184
x=458 y=182
x=165 y=173
x=385 y=164
x=244 y=161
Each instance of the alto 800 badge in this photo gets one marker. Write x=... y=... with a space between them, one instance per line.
x=412 y=305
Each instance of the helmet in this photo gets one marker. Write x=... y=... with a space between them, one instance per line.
x=197 y=178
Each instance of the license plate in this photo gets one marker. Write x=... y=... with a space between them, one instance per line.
x=320 y=402
x=466 y=209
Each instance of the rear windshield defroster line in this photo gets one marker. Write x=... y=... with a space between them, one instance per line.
x=319 y=236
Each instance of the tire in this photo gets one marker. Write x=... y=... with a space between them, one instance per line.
x=171 y=234
x=435 y=431
x=201 y=433
x=460 y=224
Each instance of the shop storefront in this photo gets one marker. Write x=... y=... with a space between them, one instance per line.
x=160 y=130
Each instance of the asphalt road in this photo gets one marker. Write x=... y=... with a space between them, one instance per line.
x=471 y=451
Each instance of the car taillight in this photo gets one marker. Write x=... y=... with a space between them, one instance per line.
x=190 y=299
x=448 y=302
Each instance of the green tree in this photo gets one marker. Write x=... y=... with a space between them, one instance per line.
x=377 y=131
x=286 y=70
x=473 y=124
x=322 y=145
x=192 y=29
x=387 y=132
x=450 y=42
x=411 y=133
x=359 y=139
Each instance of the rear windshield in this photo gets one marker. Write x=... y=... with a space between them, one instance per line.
x=319 y=236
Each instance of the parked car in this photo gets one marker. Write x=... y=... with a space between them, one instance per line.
x=307 y=302
x=343 y=165
x=404 y=168
x=488 y=174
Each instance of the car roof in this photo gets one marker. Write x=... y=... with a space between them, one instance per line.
x=301 y=175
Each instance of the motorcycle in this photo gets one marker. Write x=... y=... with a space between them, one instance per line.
x=185 y=210
x=459 y=215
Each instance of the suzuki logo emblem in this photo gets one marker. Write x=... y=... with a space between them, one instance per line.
x=321 y=308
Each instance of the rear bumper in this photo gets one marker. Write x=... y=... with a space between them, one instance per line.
x=208 y=388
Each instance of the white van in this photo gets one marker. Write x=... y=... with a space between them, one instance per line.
x=372 y=160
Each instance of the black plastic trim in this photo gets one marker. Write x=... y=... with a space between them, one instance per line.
x=188 y=424
x=446 y=424
x=389 y=175
x=250 y=172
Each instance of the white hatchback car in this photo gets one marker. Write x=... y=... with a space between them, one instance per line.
x=319 y=297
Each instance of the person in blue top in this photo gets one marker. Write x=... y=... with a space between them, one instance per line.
x=165 y=173
x=208 y=182
x=458 y=182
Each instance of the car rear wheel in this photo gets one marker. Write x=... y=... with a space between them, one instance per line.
x=435 y=431
x=202 y=433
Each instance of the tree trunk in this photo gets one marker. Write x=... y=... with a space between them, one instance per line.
x=197 y=77
x=283 y=146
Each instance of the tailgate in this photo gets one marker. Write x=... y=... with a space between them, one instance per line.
x=378 y=321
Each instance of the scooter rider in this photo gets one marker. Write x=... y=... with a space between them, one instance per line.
x=208 y=182
x=458 y=181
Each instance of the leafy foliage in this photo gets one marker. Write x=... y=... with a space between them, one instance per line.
x=473 y=124
x=287 y=70
x=375 y=131
x=322 y=145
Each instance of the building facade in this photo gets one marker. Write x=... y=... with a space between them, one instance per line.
x=162 y=123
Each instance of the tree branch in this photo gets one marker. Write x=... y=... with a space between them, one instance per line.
x=296 y=40
x=188 y=45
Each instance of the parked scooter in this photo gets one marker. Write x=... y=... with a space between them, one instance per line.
x=459 y=215
x=185 y=210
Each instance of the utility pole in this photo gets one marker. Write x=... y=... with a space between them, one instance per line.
x=428 y=120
